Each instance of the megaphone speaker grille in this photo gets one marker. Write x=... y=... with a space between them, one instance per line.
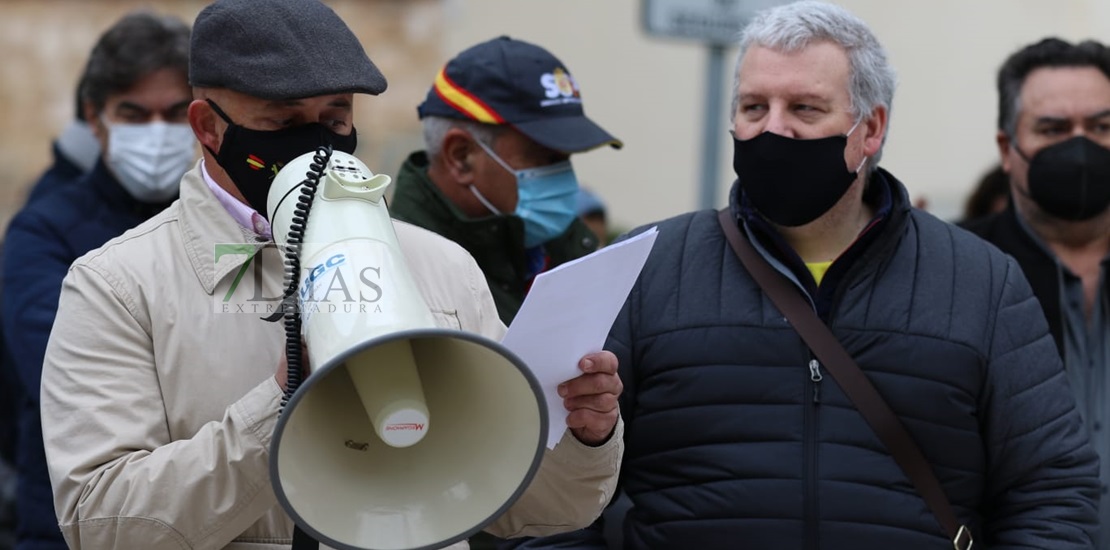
x=485 y=437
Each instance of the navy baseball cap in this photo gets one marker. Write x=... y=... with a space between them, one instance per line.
x=512 y=82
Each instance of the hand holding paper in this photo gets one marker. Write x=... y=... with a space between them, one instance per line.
x=591 y=398
x=567 y=315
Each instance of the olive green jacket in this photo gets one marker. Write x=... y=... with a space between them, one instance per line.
x=495 y=242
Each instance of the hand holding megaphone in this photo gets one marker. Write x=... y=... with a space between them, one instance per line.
x=591 y=398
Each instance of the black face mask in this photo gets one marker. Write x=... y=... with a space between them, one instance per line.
x=792 y=182
x=253 y=157
x=1071 y=179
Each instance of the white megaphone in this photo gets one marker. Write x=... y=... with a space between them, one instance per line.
x=404 y=435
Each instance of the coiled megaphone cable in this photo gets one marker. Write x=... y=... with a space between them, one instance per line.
x=290 y=309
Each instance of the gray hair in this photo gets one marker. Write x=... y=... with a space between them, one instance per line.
x=137 y=45
x=792 y=27
x=435 y=129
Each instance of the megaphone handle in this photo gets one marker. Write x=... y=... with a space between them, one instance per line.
x=302 y=541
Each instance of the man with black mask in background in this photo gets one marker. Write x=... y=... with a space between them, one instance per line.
x=1053 y=134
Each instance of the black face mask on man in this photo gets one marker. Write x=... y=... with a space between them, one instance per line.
x=253 y=157
x=1070 y=179
x=792 y=182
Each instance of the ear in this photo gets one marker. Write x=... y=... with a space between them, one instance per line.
x=89 y=114
x=875 y=126
x=203 y=120
x=457 y=156
x=1003 y=141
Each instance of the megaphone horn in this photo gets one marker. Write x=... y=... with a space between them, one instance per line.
x=405 y=435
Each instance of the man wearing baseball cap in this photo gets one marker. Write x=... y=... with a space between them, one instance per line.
x=500 y=122
x=159 y=403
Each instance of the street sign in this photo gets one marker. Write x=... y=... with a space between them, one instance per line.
x=712 y=21
x=717 y=23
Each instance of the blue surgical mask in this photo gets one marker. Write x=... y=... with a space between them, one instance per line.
x=545 y=198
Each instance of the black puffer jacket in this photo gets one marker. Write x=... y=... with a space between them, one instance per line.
x=732 y=444
x=1004 y=231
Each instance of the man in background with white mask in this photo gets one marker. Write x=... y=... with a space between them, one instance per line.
x=135 y=98
x=75 y=151
x=500 y=123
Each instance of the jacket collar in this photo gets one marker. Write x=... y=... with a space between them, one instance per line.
x=885 y=193
x=417 y=200
x=492 y=240
x=105 y=184
x=214 y=242
x=1041 y=268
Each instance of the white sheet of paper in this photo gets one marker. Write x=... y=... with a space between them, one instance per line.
x=567 y=314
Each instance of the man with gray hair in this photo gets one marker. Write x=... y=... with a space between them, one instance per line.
x=934 y=411
x=501 y=121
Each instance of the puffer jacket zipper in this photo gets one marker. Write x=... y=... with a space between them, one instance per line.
x=810 y=480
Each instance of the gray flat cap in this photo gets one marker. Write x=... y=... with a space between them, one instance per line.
x=279 y=49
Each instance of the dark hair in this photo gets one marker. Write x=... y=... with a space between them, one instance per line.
x=137 y=45
x=79 y=111
x=1049 y=52
x=993 y=185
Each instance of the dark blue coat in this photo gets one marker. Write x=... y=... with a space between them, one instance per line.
x=731 y=443
x=43 y=239
x=62 y=172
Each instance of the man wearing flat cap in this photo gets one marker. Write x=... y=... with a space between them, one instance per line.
x=159 y=401
x=500 y=122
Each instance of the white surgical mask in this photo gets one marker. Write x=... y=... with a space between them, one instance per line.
x=149 y=159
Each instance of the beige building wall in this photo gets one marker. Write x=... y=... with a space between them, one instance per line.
x=646 y=90
x=46 y=43
x=649 y=91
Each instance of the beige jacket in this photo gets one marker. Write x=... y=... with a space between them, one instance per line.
x=159 y=398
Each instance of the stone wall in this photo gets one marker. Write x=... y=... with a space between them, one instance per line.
x=45 y=44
